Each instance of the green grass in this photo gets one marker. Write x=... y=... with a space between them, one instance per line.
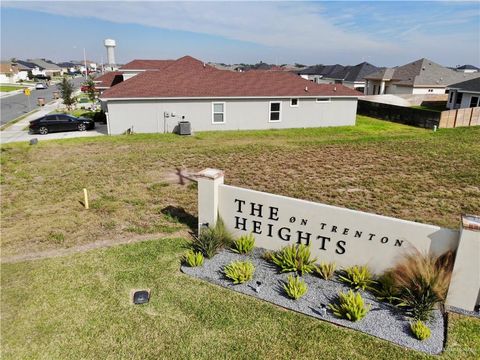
x=78 y=307
x=438 y=108
x=8 y=88
x=376 y=166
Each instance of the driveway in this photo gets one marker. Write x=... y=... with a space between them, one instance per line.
x=16 y=131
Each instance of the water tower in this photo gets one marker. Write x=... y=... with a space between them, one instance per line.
x=110 y=45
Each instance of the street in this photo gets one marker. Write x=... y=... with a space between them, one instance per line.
x=17 y=105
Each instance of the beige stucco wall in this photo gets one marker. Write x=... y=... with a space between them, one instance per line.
x=146 y=116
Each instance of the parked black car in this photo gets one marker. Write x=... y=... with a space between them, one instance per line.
x=60 y=122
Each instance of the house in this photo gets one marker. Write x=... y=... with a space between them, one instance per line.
x=465 y=94
x=7 y=73
x=467 y=68
x=157 y=98
x=49 y=67
x=29 y=66
x=350 y=76
x=422 y=76
x=12 y=72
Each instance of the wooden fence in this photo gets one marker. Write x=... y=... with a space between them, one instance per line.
x=460 y=117
x=419 y=117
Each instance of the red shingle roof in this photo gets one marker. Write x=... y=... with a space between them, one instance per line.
x=147 y=64
x=106 y=80
x=189 y=77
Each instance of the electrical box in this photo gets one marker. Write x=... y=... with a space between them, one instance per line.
x=184 y=128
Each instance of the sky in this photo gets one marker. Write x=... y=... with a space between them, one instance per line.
x=384 y=33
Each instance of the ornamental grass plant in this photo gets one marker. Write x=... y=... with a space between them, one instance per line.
x=294 y=258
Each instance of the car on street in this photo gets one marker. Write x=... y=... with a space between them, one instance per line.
x=60 y=122
x=41 y=86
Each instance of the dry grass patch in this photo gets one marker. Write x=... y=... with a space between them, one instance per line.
x=376 y=166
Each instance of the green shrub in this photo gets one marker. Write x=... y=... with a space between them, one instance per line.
x=239 y=271
x=385 y=289
x=211 y=240
x=294 y=258
x=350 y=306
x=192 y=258
x=244 y=244
x=295 y=287
x=358 y=277
x=325 y=270
x=420 y=330
x=422 y=282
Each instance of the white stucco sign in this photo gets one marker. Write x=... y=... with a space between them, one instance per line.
x=337 y=234
x=334 y=234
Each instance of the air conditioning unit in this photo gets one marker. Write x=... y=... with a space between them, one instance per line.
x=184 y=128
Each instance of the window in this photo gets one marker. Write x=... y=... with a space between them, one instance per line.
x=294 y=102
x=275 y=108
x=458 y=101
x=323 y=100
x=474 y=101
x=218 y=113
x=451 y=97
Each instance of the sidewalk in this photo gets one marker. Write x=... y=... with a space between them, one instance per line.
x=16 y=131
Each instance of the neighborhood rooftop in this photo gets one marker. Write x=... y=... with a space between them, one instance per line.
x=422 y=72
x=472 y=85
x=189 y=77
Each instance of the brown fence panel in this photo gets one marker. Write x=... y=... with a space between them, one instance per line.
x=463 y=117
x=475 y=119
x=447 y=119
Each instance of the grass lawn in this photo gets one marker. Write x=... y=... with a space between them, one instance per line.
x=77 y=307
x=377 y=166
x=8 y=88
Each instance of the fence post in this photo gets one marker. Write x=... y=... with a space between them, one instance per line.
x=464 y=290
x=208 y=183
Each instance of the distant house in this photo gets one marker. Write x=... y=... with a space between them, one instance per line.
x=465 y=94
x=12 y=72
x=467 y=69
x=68 y=66
x=158 y=94
x=350 y=76
x=422 y=76
x=7 y=73
x=29 y=66
x=49 y=67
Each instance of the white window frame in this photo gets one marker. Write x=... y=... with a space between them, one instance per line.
x=224 y=113
x=298 y=101
x=270 y=111
x=323 y=100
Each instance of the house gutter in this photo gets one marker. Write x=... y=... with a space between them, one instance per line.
x=234 y=97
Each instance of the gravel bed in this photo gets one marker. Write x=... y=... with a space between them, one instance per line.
x=457 y=310
x=382 y=321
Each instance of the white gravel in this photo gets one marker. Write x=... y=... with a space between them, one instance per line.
x=382 y=321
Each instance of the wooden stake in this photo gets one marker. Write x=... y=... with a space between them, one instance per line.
x=85 y=194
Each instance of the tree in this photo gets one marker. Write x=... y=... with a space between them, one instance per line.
x=66 y=91
x=91 y=91
x=30 y=75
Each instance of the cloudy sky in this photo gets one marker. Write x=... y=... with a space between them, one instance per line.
x=385 y=33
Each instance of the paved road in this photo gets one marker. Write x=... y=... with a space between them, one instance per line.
x=17 y=105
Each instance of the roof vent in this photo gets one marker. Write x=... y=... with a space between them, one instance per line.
x=204 y=65
x=306 y=88
x=334 y=88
